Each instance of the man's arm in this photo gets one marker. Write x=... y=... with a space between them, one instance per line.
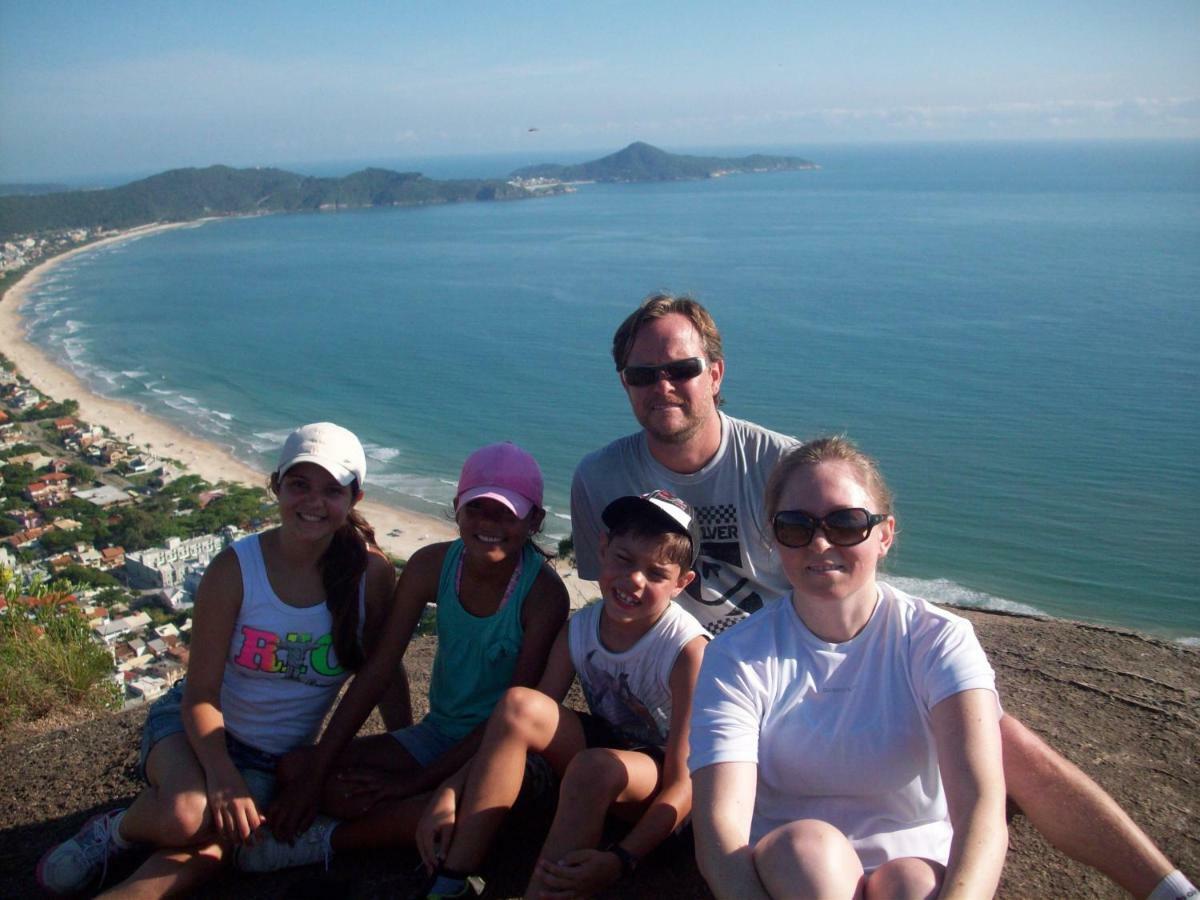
x=585 y=528
x=1075 y=814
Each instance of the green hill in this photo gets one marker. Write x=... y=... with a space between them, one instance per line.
x=183 y=194
x=642 y=162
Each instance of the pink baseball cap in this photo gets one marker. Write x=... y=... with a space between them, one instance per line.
x=502 y=472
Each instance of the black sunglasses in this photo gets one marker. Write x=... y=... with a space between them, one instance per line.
x=842 y=527
x=677 y=370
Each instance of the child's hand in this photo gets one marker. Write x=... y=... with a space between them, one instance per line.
x=580 y=873
x=363 y=788
x=436 y=828
x=235 y=816
x=294 y=808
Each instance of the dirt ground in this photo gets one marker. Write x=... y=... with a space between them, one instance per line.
x=1123 y=707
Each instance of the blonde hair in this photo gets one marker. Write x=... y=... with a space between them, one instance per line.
x=834 y=448
x=658 y=306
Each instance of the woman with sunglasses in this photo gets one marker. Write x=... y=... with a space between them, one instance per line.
x=845 y=741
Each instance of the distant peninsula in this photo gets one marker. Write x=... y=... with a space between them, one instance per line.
x=183 y=195
x=643 y=162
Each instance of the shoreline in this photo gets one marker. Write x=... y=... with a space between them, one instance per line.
x=215 y=462
x=198 y=455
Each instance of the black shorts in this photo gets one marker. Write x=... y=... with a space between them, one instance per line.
x=597 y=732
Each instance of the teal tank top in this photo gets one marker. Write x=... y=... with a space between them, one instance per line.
x=475 y=656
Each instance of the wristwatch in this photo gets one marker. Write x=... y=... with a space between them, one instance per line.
x=628 y=860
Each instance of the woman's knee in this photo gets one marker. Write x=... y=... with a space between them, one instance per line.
x=807 y=857
x=906 y=878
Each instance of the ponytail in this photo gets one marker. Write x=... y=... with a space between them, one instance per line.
x=342 y=567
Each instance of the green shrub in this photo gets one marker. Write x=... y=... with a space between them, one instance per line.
x=49 y=661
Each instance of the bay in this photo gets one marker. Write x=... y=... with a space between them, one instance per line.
x=1011 y=328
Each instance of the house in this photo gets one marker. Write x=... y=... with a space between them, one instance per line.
x=26 y=399
x=112 y=631
x=147 y=688
x=112 y=453
x=24 y=539
x=106 y=495
x=111 y=557
x=178 y=599
x=207 y=497
x=46 y=492
x=161 y=567
x=65 y=425
x=34 y=460
x=26 y=518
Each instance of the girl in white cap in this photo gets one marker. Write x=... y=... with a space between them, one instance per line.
x=500 y=606
x=279 y=625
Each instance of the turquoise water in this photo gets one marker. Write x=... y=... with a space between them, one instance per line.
x=1012 y=329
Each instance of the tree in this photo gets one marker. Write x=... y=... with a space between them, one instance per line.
x=81 y=472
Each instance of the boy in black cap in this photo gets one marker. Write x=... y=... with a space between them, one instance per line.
x=637 y=655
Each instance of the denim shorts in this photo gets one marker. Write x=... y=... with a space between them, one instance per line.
x=425 y=742
x=165 y=718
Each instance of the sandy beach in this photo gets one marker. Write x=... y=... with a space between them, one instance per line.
x=400 y=531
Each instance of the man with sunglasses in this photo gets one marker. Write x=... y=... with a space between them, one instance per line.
x=669 y=358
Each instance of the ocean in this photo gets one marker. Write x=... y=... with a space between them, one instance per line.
x=1012 y=329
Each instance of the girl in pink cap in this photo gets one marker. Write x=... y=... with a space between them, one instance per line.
x=499 y=608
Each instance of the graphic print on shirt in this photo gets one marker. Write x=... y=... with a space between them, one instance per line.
x=296 y=656
x=610 y=698
x=720 y=565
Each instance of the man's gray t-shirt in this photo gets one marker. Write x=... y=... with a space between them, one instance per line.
x=737 y=571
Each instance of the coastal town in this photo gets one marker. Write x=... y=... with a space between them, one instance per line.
x=92 y=519
x=25 y=250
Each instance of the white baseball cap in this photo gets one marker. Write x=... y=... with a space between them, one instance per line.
x=331 y=447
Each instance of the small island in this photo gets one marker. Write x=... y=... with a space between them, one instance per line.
x=643 y=162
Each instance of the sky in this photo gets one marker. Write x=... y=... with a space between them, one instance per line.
x=91 y=89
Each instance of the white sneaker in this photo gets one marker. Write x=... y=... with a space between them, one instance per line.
x=268 y=853
x=76 y=864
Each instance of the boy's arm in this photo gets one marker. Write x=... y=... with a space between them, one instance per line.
x=673 y=803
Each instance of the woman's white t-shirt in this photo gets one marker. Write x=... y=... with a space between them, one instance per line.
x=841 y=732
